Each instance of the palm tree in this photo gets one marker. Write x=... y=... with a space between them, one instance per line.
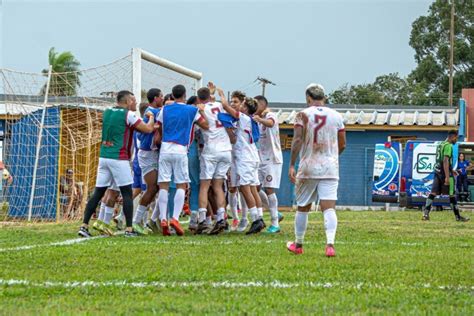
x=65 y=74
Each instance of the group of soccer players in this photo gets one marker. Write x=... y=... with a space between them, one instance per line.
x=237 y=141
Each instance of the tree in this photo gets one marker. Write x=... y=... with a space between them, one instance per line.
x=430 y=40
x=428 y=83
x=65 y=74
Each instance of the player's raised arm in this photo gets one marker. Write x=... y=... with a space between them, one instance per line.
x=265 y=122
x=226 y=105
x=147 y=127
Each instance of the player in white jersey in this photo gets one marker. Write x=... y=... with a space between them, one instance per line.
x=246 y=157
x=236 y=101
x=319 y=138
x=215 y=161
x=271 y=160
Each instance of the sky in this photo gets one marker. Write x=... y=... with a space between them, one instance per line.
x=292 y=43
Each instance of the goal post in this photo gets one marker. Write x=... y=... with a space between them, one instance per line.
x=52 y=126
x=139 y=55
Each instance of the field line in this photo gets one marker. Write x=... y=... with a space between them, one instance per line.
x=225 y=284
x=51 y=244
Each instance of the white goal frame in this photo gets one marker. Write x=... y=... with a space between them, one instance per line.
x=139 y=54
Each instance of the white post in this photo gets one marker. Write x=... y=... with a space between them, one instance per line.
x=38 y=145
x=137 y=75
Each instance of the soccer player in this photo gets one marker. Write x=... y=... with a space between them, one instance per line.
x=176 y=127
x=106 y=211
x=215 y=161
x=319 y=138
x=246 y=157
x=236 y=101
x=443 y=182
x=271 y=160
x=148 y=162
x=114 y=162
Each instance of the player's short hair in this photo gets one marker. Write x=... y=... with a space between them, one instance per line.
x=251 y=105
x=239 y=95
x=204 y=93
x=192 y=100
x=152 y=94
x=142 y=108
x=452 y=132
x=261 y=98
x=315 y=91
x=122 y=95
x=178 y=91
x=167 y=98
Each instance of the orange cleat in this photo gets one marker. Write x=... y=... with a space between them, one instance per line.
x=177 y=227
x=165 y=228
x=186 y=209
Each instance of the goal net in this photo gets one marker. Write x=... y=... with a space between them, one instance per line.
x=52 y=123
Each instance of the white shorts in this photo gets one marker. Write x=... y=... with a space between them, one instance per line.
x=269 y=175
x=234 y=178
x=113 y=172
x=215 y=167
x=247 y=173
x=307 y=191
x=173 y=164
x=148 y=161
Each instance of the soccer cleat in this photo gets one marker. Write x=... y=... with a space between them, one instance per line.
x=273 y=229
x=218 y=228
x=98 y=226
x=202 y=228
x=186 y=209
x=330 y=251
x=425 y=217
x=291 y=246
x=235 y=225
x=177 y=227
x=152 y=226
x=139 y=229
x=263 y=223
x=256 y=227
x=462 y=219
x=243 y=225
x=165 y=230
x=107 y=229
x=119 y=222
x=280 y=217
x=84 y=232
x=130 y=234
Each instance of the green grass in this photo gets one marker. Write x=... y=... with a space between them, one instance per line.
x=387 y=263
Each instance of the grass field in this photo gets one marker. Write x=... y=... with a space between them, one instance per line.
x=387 y=263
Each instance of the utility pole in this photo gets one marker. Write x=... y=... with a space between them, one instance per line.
x=264 y=82
x=451 y=55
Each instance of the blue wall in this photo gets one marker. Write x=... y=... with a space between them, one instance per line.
x=21 y=161
x=355 y=167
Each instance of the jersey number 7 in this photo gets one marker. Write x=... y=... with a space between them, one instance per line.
x=214 y=111
x=320 y=121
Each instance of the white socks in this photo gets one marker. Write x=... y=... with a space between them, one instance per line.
x=156 y=211
x=260 y=212
x=273 y=206
x=253 y=214
x=264 y=198
x=101 y=212
x=109 y=213
x=220 y=214
x=178 y=203
x=202 y=215
x=139 y=214
x=301 y=222
x=330 y=224
x=163 y=204
x=233 y=201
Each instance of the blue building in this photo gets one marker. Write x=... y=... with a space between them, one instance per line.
x=365 y=126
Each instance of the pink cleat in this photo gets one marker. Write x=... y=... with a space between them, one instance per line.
x=235 y=224
x=330 y=251
x=291 y=246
